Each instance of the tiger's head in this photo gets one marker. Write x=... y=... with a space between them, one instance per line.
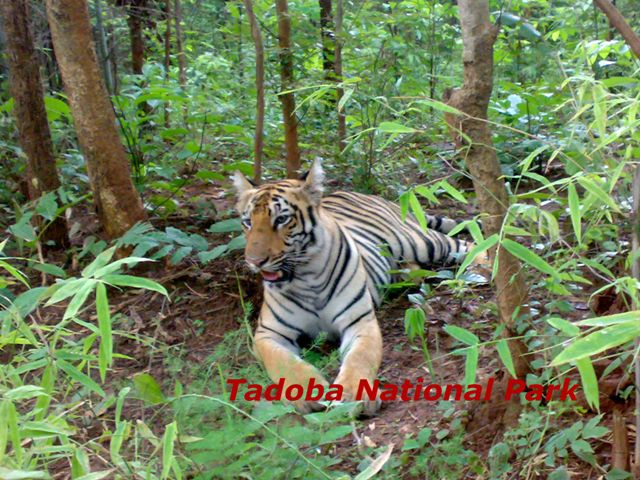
x=280 y=222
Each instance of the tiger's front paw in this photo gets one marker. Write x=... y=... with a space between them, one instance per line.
x=351 y=385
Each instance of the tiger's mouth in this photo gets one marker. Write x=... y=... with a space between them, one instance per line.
x=277 y=276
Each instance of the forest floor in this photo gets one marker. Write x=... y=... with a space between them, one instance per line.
x=207 y=305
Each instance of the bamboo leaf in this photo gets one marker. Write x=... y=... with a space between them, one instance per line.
x=168 y=440
x=134 y=282
x=574 y=211
x=465 y=336
x=505 y=355
x=527 y=256
x=105 y=357
x=594 y=343
x=589 y=382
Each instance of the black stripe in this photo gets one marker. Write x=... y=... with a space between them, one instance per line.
x=281 y=320
x=353 y=301
x=354 y=322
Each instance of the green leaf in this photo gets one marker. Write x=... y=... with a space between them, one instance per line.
x=589 y=382
x=471 y=365
x=79 y=298
x=80 y=377
x=417 y=211
x=393 y=127
x=593 y=430
x=101 y=260
x=564 y=326
x=10 y=474
x=483 y=246
x=598 y=193
x=574 y=211
x=208 y=175
x=224 y=226
x=4 y=427
x=168 y=440
x=118 y=264
x=505 y=355
x=623 y=317
x=105 y=358
x=464 y=336
x=528 y=257
x=148 y=388
x=50 y=269
x=453 y=192
x=134 y=282
x=608 y=337
x=47 y=206
x=206 y=257
x=237 y=243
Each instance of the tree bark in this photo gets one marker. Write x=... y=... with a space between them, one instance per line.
x=118 y=204
x=478 y=37
x=619 y=23
x=103 y=48
x=112 y=49
x=258 y=142
x=287 y=99
x=30 y=113
x=182 y=60
x=136 y=34
x=327 y=36
x=337 y=66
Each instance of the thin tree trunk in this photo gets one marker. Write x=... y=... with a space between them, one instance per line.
x=30 y=112
x=478 y=37
x=619 y=23
x=118 y=204
x=136 y=35
x=287 y=99
x=102 y=47
x=112 y=49
x=167 y=56
x=342 y=117
x=327 y=36
x=259 y=134
x=182 y=61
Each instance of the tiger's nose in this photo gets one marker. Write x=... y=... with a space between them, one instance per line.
x=256 y=261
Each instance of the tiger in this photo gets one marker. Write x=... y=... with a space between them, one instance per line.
x=323 y=260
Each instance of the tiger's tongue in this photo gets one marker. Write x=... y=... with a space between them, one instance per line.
x=270 y=276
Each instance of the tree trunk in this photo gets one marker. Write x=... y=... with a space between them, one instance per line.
x=112 y=49
x=30 y=112
x=287 y=99
x=117 y=202
x=167 y=56
x=617 y=20
x=136 y=35
x=259 y=135
x=478 y=36
x=182 y=61
x=103 y=48
x=327 y=36
x=342 y=118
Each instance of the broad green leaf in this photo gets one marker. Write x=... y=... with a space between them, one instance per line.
x=589 y=382
x=206 y=257
x=465 y=336
x=505 y=355
x=596 y=342
x=237 y=243
x=47 y=206
x=527 y=256
x=224 y=226
x=10 y=474
x=134 y=282
x=148 y=388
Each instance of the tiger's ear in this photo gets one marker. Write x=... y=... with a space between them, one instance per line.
x=241 y=183
x=313 y=182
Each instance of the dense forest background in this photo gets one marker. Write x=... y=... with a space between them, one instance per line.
x=120 y=123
